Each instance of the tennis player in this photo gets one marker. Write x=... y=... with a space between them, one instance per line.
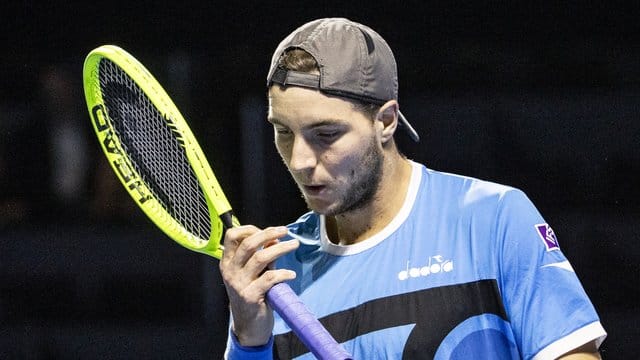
x=396 y=259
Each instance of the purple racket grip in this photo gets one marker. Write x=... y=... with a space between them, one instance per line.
x=304 y=324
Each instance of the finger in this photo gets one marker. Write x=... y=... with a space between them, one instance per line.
x=251 y=244
x=262 y=259
x=233 y=237
x=270 y=278
x=255 y=291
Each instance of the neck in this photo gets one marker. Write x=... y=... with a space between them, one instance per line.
x=362 y=223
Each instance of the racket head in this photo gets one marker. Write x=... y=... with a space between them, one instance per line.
x=155 y=155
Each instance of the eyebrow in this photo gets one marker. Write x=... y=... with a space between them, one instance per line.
x=274 y=120
x=320 y=123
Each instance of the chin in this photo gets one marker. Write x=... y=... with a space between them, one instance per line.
x=321 y=208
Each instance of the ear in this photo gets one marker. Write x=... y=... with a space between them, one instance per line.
x=388 y=120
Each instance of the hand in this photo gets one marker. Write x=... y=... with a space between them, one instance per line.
x=248 y=254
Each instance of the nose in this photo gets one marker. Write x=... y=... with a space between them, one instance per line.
x=303 y=156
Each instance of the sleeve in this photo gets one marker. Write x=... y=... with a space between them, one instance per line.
x=235 y=351
x=547 y=306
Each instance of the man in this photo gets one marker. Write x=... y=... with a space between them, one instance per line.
x=398 y=260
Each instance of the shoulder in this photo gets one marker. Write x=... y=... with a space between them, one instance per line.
x=468 y=193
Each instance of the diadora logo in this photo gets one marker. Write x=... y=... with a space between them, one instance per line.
x=548 y=237
x=434 y=265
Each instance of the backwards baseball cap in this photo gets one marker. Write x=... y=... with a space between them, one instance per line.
x=354 y=62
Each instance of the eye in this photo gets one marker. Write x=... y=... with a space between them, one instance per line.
x=328 y=136
x=281 y=130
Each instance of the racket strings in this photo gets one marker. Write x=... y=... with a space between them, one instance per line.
x=155 y=150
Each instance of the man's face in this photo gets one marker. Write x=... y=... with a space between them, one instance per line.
x=330 y=148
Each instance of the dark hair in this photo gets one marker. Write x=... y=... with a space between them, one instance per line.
x=300 y=60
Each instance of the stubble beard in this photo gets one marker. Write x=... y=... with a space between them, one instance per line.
x=363 y=181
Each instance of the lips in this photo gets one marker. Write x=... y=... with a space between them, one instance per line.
x=313 y=190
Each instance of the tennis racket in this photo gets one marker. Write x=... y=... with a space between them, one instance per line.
x=158 y=160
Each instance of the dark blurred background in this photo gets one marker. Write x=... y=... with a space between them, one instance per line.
x=544 y=97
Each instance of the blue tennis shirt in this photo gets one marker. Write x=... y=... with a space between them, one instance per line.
x=466 y=269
